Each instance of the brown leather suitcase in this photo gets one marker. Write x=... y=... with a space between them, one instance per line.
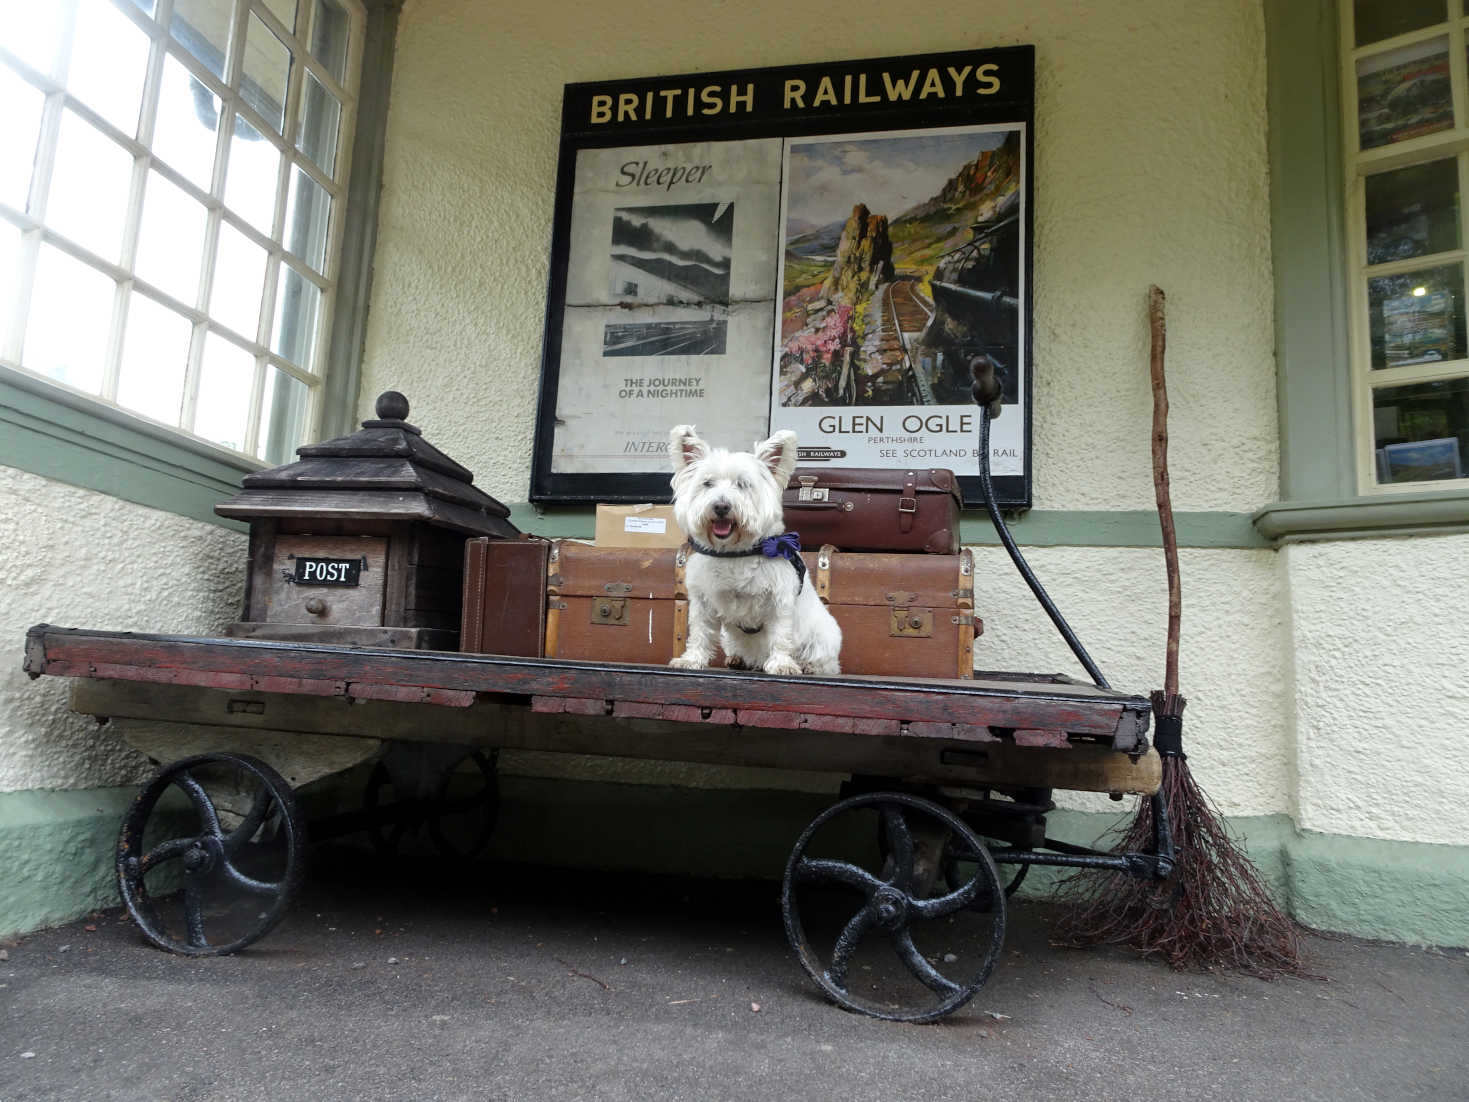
x=504 y=609
x=900 y=615
x=870 y=509
x=615 y=604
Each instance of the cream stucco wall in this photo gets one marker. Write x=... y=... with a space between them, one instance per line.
x=82 y=559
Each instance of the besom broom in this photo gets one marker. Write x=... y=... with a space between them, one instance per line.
x=1212 y=911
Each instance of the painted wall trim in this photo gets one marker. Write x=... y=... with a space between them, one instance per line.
x=1364 y=517
x=1035 y=528
x=54 y=434
x=1307 y=227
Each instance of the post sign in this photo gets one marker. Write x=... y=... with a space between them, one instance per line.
x=822 y=248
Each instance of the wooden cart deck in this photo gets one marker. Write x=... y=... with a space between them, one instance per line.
x=1020 y=729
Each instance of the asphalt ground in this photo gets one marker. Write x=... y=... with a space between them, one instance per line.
x=427 y=980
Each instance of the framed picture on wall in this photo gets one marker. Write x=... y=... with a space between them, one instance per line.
x=819 y=247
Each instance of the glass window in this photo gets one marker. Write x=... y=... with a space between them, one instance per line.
x=148 y=258
x=1410 y=354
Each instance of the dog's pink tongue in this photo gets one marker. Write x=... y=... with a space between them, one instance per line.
x=722 y=527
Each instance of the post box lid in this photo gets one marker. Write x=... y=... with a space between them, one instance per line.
x=384 y=471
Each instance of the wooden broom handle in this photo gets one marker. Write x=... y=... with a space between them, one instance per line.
x=1159 y=328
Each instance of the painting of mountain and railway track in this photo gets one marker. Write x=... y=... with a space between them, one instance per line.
x=901 y=262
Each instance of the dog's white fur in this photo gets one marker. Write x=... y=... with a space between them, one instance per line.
x=729 y=501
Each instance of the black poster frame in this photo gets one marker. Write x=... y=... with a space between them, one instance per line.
x=589 y=122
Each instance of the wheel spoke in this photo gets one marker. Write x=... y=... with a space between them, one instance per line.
x=908 y=953
x=246 y=883
x=947 y=904
x=846 y=944
x=811 y=870
x=202 y=804
x=194 y=914
x=900 y=846
x=250 y=823
x=164 y=851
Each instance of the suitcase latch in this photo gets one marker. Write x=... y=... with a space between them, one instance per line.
x=611 y=611
x=809 y=491
x=912 y=623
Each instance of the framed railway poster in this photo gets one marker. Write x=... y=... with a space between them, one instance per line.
x=823 y=248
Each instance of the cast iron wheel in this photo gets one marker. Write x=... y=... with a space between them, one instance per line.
x=459 y=823
x=206 y=874
x=903 y=971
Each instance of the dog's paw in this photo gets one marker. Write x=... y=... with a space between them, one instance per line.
x=687 y=662
x=735 y=662
x=783 y=665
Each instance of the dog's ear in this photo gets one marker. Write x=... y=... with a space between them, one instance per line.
x=685 y=447
x=779 y=456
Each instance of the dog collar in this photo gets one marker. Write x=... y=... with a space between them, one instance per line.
x=786 y=546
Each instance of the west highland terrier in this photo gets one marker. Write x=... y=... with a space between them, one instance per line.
x=747 y=583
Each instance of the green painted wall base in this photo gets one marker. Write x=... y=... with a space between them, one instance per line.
x=56 y=855
x=57 y=849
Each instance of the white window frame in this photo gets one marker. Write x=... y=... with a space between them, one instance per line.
x=1359 y=165
x=34 y=231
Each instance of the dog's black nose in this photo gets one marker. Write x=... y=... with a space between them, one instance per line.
x=721 y=509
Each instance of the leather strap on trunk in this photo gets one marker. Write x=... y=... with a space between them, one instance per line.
x=823 y=572
x=680 y=601
x=553 y=595
x=964 y=602
x=908 y=502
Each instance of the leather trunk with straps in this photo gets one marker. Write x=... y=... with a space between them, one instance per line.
x=615 y=604
x=869 y=509
x=901 y=615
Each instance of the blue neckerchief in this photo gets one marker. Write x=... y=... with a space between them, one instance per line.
x=786 y=546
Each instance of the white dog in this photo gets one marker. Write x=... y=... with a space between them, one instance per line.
x=748 y=589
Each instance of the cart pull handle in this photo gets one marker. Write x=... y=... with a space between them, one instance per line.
x=987 y=392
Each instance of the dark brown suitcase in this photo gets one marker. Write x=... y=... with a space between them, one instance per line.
x=900 y=615
x=869 y=509
x=504 y=609
x=615 y=604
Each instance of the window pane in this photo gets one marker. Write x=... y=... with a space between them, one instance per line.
x=1379 y=19
x=226 y=378
x=33 y=33
x=282 y=417
x=252 y=177
x=155 y=355
x=308 y=215
x=188 y=115
x=1417 y=317
x=239 y=279
x=109 y=58
x=9 y=279
x=267 y=69
x=170 y=239
x=55 y=345
x=1412 y=212
x=297 y=306
x=88 y=201
x=1422 y=431
x=20 y=123
x=285 y=11
x=321 y=115
x=329 y=33
x=203 y=28
x=1404 y=93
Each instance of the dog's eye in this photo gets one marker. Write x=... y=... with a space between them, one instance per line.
x=708 y=483
x=740 y=484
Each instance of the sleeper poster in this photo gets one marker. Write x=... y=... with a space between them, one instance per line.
x=822 y=248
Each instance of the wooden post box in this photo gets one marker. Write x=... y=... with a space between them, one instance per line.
x=361 y=541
